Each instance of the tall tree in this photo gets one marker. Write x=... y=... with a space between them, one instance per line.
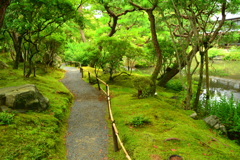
x=31 y=21
x=198 y=13
x=194 y=26
x=3 y=6
x=155 y=42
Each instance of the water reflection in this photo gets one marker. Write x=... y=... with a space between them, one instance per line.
x=223 y=87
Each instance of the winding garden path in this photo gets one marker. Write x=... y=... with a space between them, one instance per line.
x=87 y=136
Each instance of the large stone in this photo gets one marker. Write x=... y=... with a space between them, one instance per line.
x=3 y=65
x=25 y=97
x=214 y=122
x=211 y=120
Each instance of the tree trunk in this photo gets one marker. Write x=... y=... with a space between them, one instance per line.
x=3 y=6
x=83 y=35
x=17 y=42
x=81 y=30
x=207 y=77
x=171 y=72
x=157 y=48
x=113 y=27
x=200 y=81
x=30 y=69
x=189 y=86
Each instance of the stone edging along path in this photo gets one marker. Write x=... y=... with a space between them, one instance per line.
x=87 y=136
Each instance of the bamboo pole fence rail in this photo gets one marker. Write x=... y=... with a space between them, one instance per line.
x=116 y=137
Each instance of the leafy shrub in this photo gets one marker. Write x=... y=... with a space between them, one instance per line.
x=174 y=84
x=143 y=84
x=139 y=121
x=233 y=55
x=214 y=52
x=6 y=118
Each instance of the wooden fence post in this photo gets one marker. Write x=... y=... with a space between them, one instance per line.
x=98 y=84
x=115 y=142
x=81 y=70
x=107 y=91
x=89 y=76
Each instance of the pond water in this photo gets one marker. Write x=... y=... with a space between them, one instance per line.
x=224 y=87
x=220 y=86
x=228 y=85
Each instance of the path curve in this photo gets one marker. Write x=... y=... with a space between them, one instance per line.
x=87 y=136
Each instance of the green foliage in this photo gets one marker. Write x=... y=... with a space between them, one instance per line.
x=175 y=84
x=230 y=37
x=139 y=121
x=228 y=112
x=6 y=118
x=111 y=55
x=77 y=52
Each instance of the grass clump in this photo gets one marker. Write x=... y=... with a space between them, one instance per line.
x=6 y=118
x=228 y=111
x=139 y=121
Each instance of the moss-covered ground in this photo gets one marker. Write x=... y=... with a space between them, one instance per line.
x=36 y=135
x=170 y=131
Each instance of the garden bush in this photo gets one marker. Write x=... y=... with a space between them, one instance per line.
x=174 y=84
x=143 y=84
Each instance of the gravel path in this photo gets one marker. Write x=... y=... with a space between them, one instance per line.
x=87 y=136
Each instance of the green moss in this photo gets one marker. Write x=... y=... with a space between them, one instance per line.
x=171 y=130
x=37 y=135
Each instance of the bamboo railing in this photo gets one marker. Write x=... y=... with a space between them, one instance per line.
x=116 y=137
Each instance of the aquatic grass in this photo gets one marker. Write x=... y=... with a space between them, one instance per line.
x=228 y=111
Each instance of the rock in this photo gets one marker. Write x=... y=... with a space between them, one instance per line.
x=3 y=65
x=211 y=120
x=23 y=98
x=194 y=115
x=223 y=128
x=214 y=122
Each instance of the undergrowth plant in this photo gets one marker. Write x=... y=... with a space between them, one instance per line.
x=139 y=121
x=6 y=118
x=228 y=111
x=175 y=84
x=143 y=85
